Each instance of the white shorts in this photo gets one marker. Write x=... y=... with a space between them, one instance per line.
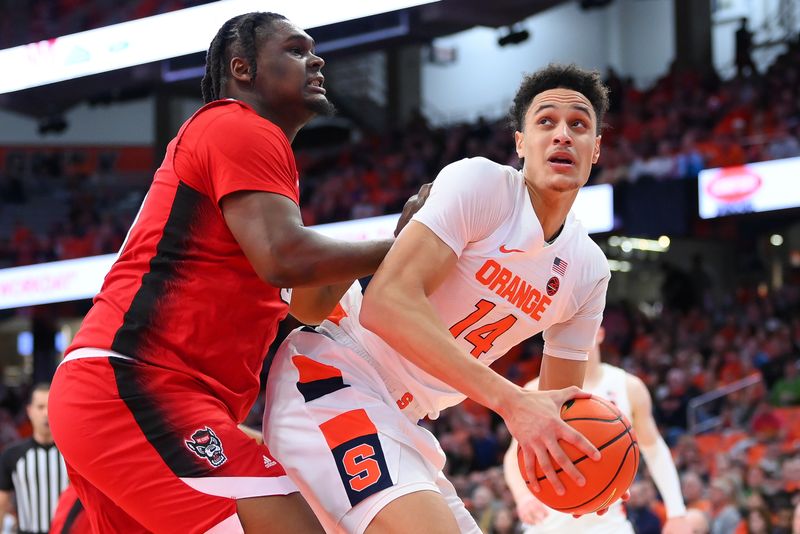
x=333 y=425
x=612 y=522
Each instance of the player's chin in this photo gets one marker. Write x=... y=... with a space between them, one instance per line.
x=320 y=105
x=564 y=183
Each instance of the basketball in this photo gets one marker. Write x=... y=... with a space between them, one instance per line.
x=606 y=480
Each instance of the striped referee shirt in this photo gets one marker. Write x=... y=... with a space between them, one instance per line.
x=37 y=475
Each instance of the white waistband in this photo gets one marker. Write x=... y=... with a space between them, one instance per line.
x=413 y=410
x=89 y=352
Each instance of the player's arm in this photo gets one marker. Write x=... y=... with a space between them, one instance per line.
x=284 y=253
x=312 y=305
x=396 y=307
x=567 y=344
x=558 y=373
x=657 y=455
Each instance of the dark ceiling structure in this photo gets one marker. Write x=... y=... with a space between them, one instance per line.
x=417 y=25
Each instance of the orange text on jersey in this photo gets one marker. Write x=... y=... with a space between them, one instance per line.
x=514 y=289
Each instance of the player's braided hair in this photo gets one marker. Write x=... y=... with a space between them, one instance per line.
x=239 y=32
x=555 y=76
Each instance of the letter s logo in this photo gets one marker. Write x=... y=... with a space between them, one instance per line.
x=359 y=464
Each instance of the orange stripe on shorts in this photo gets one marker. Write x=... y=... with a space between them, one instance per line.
x=311 y=370
x=347 y=426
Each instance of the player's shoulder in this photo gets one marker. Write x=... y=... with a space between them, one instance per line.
x=481 y=176
x=480 y=168
x=230 y=118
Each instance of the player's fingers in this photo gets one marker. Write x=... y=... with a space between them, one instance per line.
x=530 y=462
x=602 y=512
x=578 y=440
x=564 y=462
x=547 y=468
x=573 y=392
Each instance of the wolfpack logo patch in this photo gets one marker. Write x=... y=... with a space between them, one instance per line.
x=206 y=444
x=552 y=286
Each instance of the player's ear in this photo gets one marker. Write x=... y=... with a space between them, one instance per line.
x=596 y=151
x=519 y=139
x=240 y=69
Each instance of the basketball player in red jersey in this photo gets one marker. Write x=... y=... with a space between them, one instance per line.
x=145 y=405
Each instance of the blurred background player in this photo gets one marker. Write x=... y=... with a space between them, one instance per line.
x=33 y=470
x=631 y=396
x=494 y=257
x=147 y=401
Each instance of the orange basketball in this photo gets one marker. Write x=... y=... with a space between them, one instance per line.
x=606 y=480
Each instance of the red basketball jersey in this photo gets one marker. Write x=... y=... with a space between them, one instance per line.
x=182 y=295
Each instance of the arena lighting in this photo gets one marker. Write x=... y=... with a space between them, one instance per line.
x=164 y=36
x=620 y=266
x=776 y=240
x=81 y=278
x=514 y=36
x=627 y=244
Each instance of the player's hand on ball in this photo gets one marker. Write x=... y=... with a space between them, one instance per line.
x=531 y=511
x=536 y=423
x=602 y=511
x=412 y=206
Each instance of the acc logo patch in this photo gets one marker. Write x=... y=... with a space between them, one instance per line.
x=206 y=444
x=552 y=286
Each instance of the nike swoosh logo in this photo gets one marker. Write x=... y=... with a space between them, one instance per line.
x=505 y=250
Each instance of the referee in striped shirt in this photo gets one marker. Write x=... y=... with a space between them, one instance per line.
x=34 y=470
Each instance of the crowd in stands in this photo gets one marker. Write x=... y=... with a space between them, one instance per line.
x=684 y=123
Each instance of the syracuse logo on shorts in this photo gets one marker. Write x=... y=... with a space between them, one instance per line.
x=206 y=444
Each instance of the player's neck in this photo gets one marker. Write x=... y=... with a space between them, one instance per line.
x=551 y=209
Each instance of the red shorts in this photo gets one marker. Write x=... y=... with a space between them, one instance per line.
x=70 y=516
x=149 y=449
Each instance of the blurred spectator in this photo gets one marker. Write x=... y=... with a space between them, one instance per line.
x=672 y=404
x=693 y=491
x=504 y=522
x=640 y=514
x=758 y=521
x=724 y=515
x=786 y=391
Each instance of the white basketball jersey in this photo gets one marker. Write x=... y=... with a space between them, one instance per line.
x=507 y=284
x=612 y=386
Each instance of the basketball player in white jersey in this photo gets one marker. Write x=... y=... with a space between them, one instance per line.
x=632 y=398
x=494 y=257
